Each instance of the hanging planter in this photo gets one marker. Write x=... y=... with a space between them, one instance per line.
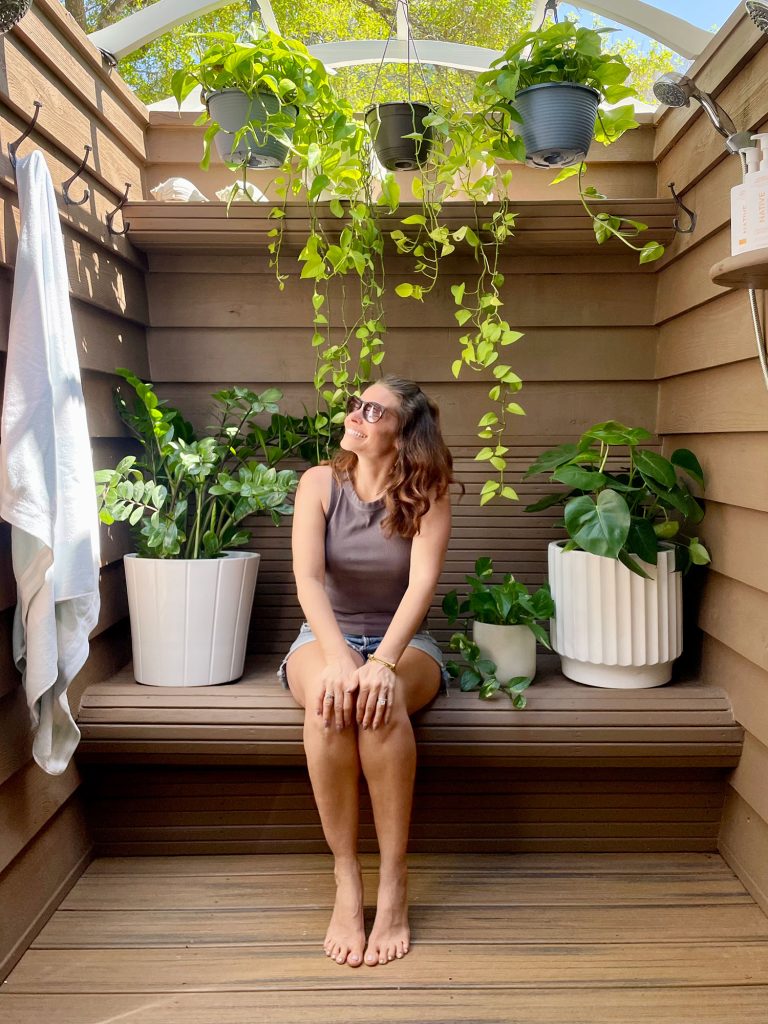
x=390 y=124
x=558 y=122
x=234 y=110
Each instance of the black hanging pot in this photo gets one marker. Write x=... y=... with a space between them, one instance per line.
x=558 y=122
x=233 y=109
x=388 y=123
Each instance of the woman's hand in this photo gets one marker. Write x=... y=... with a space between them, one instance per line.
x=335 y=697
x=377 y=694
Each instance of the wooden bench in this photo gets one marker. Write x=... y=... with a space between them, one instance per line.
x=173 y=770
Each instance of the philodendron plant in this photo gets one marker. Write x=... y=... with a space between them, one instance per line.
x=508 y=603
x=625 y=513
x=187 y=497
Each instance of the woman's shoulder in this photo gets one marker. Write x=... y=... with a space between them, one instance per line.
x=316 y=483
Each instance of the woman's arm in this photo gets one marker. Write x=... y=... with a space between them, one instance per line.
x=308 y=543
x=427 y=558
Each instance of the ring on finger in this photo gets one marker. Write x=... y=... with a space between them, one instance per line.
x=382 y=701
x=329 y=698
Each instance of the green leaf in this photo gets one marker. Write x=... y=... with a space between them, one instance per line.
x=404 y=290
x=641 y=540
x=565 y=173
x=457 y=291
x=699 y=554
x=651 y=251
x=462 y=315
x=548 y=501
x=600 y=527
x=612 y=432
x=655 y=466
x=579 y=479
x=687 y=461
x=632 y=565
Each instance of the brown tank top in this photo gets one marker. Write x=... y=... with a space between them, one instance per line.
x=366 y=572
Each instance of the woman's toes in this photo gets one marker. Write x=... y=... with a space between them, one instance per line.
x=353 y=959
x=371 y=958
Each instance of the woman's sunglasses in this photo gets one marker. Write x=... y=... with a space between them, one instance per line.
x=372 y=411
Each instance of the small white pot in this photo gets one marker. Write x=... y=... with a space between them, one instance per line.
x=613 y=628
x=190 y=617
x=511 y=648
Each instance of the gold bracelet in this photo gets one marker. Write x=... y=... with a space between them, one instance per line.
x=387 y=664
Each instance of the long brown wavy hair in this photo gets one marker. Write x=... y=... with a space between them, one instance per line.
x=423 y=468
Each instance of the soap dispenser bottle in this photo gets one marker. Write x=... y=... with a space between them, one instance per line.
x=740 y=234
x=757 y=198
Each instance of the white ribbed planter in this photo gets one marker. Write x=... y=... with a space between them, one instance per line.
x=613 y=628
x=511 y=648
x=189 y=617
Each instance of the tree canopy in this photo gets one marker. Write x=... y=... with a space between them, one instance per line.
x=490 y=23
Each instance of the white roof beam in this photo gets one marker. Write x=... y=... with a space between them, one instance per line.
x=429 y=51
x=678 y=34
x=143 y=26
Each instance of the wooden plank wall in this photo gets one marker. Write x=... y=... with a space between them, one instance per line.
x=712 y=399
x=587 y=355
x=44 y=843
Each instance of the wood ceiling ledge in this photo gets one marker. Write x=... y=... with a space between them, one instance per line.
x=553 y=227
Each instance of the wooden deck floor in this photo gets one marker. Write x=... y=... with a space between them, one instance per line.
x=529 y=939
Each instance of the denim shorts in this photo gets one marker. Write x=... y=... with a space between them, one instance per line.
x=365 y=645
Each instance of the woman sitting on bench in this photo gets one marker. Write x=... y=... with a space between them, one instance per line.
x=370 y=533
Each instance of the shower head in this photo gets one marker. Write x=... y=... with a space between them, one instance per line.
x=758 y=12
x=676 y=90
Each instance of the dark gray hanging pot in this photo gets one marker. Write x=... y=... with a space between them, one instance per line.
x=558 y=122
x=232 y=109
x=388 y=123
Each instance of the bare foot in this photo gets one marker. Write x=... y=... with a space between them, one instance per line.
x=345 y=939
x=390 y=936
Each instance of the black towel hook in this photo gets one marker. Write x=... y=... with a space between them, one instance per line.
x=70 y=181
x=13 y=146
x=681 y=206
x=113 y=213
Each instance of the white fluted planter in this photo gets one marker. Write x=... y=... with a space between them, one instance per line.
x=189 y=617
x=613 y=628
x=511 y=648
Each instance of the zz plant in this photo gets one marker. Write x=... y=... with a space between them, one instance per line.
x=627 y=512
x=187 y=497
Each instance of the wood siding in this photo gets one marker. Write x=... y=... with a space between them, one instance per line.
x=44 y=842
x=712 y=398
x=219 y=318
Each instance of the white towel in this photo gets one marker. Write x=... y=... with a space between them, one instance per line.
x=47 y=492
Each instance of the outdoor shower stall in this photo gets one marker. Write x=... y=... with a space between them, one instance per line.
x=183 y=295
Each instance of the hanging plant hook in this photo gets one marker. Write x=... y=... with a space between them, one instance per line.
x=681 y=206
x=13 y=146
x=70 y=181
x=113 y=213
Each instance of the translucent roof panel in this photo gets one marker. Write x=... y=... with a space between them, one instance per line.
x=348 y=35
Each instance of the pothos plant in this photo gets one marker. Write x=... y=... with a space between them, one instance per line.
x=508 y=603
x=563 y=52
x=329 y=158
x=626 y=512
x=466 y=161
